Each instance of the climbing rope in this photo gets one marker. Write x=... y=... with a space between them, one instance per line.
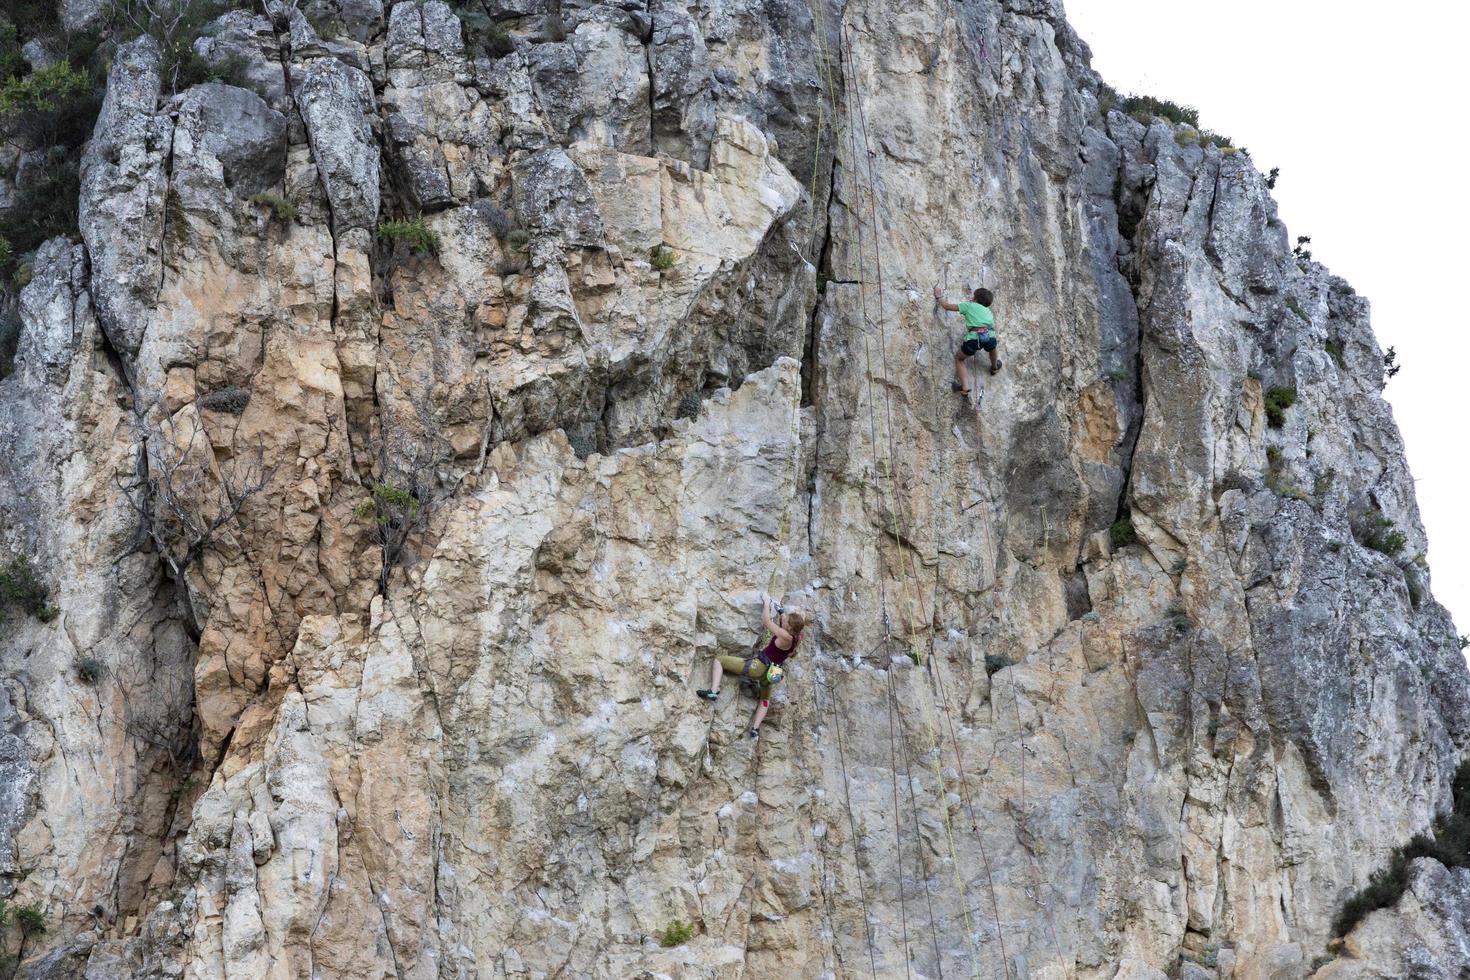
x=914 y=809
x=899 y=537
x=837 y=716
x=1039 y=891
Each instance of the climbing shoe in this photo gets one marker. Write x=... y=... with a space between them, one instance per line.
x=755 y=733
x=955 y=386
x=997 y=367
x=709 y=695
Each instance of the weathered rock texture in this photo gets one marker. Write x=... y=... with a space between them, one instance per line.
x=447 y=729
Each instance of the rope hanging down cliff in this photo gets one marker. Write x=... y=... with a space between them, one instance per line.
x=900 y=538
x=936 y=678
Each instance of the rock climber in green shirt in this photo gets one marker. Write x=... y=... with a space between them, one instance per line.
x=979 y=334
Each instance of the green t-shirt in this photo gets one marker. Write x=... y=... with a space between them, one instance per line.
x=978 y=319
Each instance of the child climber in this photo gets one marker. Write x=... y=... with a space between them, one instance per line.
x=765 y=667
x=979 y=334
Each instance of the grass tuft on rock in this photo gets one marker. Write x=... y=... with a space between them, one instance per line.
x=280 y=208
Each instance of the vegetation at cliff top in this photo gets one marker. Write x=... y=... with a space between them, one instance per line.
x=1145 y=108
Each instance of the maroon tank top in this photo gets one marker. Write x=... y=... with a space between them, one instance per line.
x=773 y=654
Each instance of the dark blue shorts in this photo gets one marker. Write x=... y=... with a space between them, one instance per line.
x=969 y=347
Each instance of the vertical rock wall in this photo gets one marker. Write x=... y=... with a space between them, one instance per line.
x=421 y=705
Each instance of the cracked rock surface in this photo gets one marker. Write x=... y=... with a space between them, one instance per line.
x=659 y=338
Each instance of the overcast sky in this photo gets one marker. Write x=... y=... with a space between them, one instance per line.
x=1362 y=107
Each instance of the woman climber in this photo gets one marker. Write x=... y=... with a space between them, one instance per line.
x=765 y=667
x=979 y=334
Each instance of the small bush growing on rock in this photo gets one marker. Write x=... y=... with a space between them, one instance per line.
x=484 y=37
x=1464 y=641
x=51 y=110
x=676 y=933
x=518 y=238
x=1278 y=399
x=21 y=587
x=1295 y=307
x=419 y=237
x=1449 y=844
x=231 y=401
x=583 y=441
x=1187 y=137
x=1301 y=251
x=90 y=670
x=283 y=210
x=1271 y=178
x=389 y=505
x=498 y=42
x=9 y=342
x=688 y=406
x=995 y=663
x=1121 y=532
x=1391 y=364
x=493 y=215
x=38 y=105
x=662 y=258
x=1378 y=533
x=1334 y=347
x=30 y=919
x=176 y=25
x=1235 y=480
x=1322 y=484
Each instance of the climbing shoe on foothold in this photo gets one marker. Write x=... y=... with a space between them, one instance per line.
x=997 y=367
x=755 y=733
x=955 y=386
x=709 y=695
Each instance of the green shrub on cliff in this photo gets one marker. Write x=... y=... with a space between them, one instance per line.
x=1448 y=843
x=419 y=237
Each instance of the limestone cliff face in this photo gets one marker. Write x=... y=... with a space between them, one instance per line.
x=403 y=564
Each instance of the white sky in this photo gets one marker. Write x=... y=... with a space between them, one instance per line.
x=1362 y=108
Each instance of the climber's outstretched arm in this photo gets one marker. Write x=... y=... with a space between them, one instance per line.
x=776 y=629
x=939 y=295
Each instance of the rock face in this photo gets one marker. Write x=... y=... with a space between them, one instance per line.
x=401 y=556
